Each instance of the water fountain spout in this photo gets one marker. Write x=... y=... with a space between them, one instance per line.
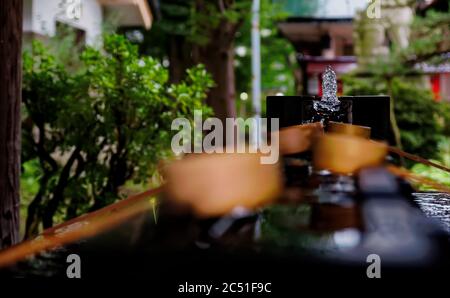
x=329 y=103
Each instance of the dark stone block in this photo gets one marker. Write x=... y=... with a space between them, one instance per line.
x=372 y=111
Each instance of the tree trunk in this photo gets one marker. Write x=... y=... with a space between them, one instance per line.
x=218 y=57
x=219 y=61
x=179 y=57
x=10 y=100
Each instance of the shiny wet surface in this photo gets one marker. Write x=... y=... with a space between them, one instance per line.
x=319 y=220
x=436 y=206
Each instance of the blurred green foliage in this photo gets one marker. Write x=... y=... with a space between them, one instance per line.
x=278 y=56
x=430 y=38
x=301 y=8
x=182 y=27
x=86 y=133
x=194 y=20
x=185 y=24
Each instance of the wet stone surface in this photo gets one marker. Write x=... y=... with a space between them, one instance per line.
x=322 y=223
x=435 y=205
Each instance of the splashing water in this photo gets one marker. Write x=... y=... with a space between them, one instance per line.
x=330 y=102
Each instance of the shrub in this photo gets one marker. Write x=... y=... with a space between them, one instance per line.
x=421 y=120
x=94 y=130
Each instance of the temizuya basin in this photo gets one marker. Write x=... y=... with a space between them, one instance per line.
x=344 y=154
x=214 y=184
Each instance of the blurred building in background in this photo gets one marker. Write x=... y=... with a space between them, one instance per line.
x=439 y=74
x=323 y=33
x=43 y=18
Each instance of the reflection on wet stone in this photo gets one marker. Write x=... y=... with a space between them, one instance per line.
x=435 y=205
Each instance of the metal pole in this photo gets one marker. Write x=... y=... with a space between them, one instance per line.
x=256 y=69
